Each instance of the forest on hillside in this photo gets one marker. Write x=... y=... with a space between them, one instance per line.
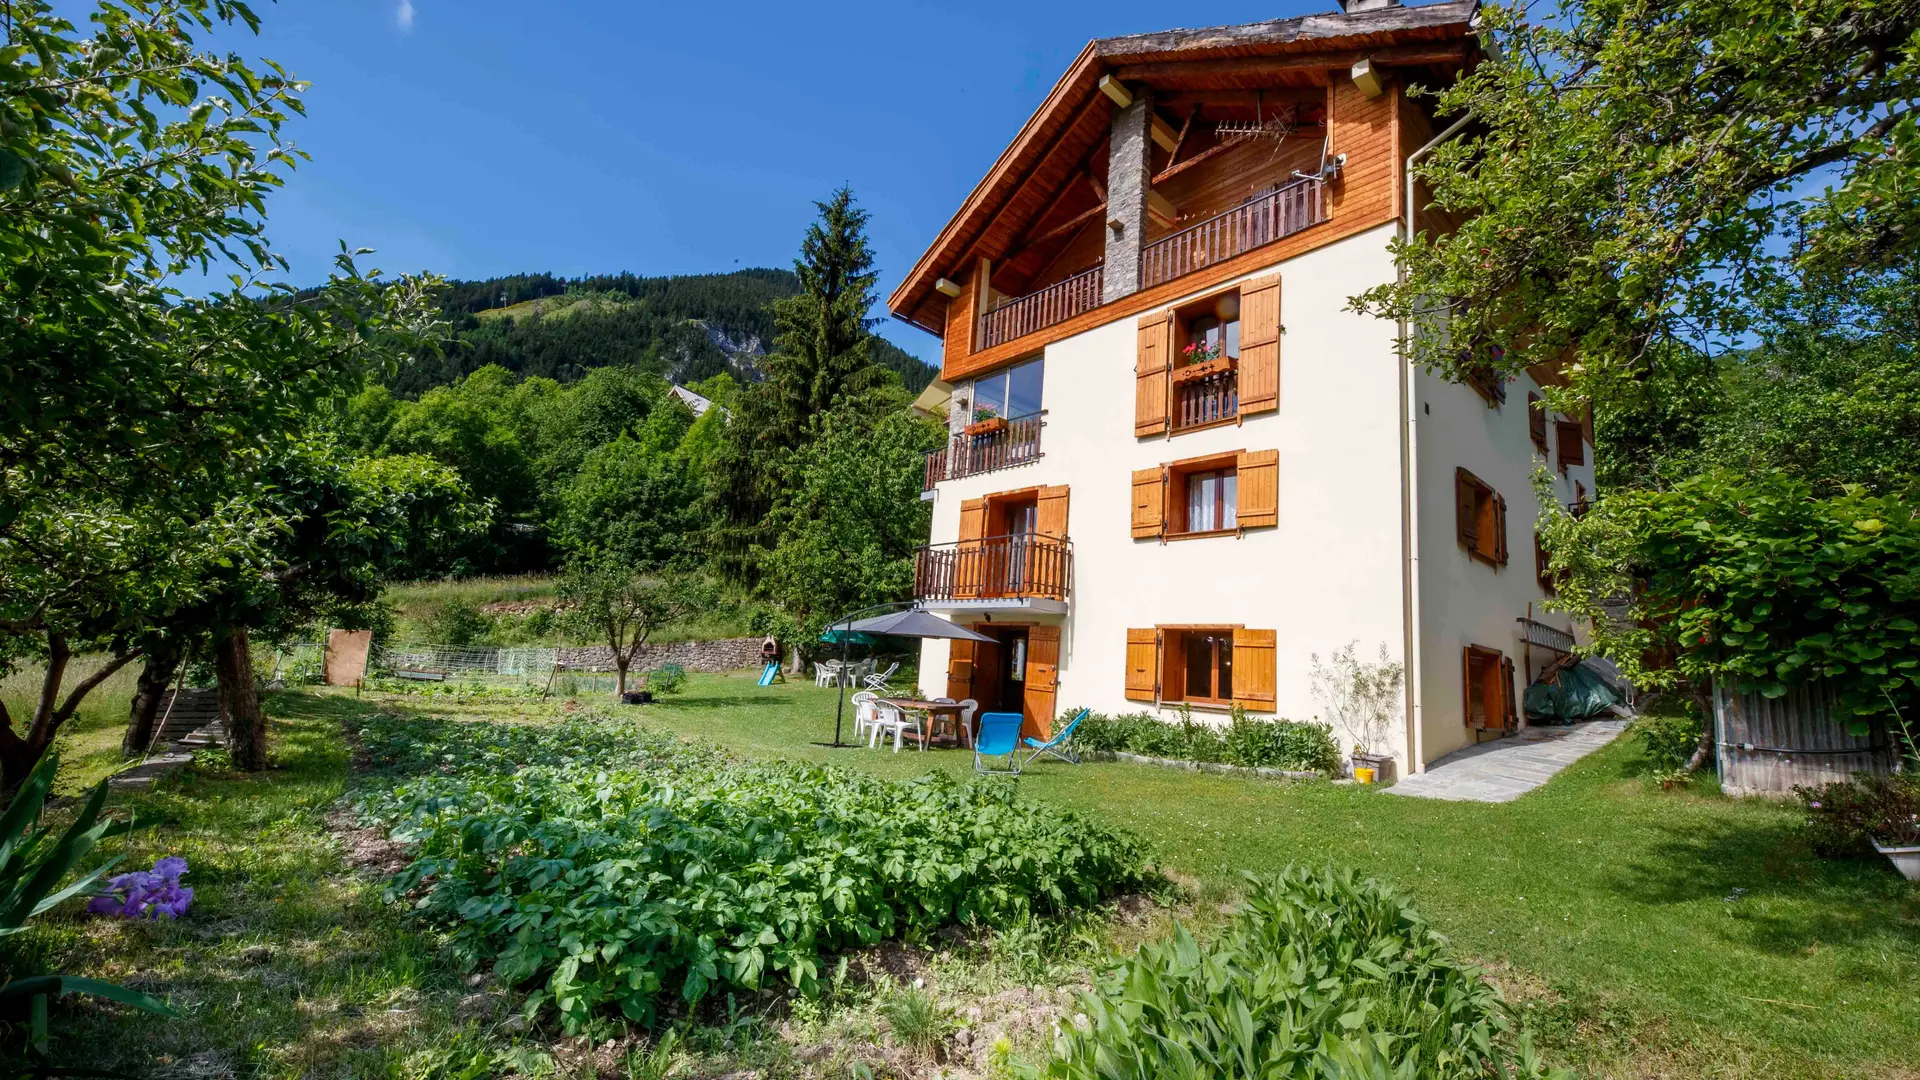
x=685 y=328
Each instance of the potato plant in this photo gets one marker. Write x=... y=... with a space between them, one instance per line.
x=606 y=867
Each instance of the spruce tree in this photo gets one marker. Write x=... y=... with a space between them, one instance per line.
x=820 y=360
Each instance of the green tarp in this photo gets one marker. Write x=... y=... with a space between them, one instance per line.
x=1572 y=693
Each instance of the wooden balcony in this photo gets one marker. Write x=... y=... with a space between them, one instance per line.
x=1208 y=399
x=1263 y=220
x=1038 y=310
x=969 y=455
x=1019 y=571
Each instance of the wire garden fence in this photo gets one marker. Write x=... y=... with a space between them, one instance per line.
x=544 y=672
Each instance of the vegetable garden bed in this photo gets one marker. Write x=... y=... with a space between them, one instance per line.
x=602 y=866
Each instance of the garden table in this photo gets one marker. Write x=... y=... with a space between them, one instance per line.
x=939 y=714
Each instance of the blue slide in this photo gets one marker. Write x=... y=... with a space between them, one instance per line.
x=771 y=673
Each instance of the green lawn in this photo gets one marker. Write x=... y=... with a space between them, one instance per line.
x=1647 y=933
x=1653 y=932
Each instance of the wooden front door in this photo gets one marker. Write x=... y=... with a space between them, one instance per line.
x=1039 y=698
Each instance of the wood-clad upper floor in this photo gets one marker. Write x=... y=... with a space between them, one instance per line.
x=1260 y=142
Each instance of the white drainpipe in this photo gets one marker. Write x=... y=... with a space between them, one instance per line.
x=1409 y=464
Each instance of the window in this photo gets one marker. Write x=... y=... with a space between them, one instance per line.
x=1202 y=665
x=1212 y=500
x=1537 y=422
x=1480 y=519
x=1542 y=565
x=1209 y=664
x=1206 y=495
x=1208 y=362
x=1571 y=438
x=1010 y=393
x=1485 y=378
x=1488 y=689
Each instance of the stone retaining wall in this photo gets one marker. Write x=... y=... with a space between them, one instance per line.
x=726 y=654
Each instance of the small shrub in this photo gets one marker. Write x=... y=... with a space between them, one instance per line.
x=667 y=679
x=539 y=622
x=1669 y=733
x=1316 y=975
x=457 y=621
x=1247 y=741
x=1844 y=818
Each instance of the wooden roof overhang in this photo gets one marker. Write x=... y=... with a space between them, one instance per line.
x=1048 y=179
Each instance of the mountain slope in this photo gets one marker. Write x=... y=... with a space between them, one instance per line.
x=687 y=327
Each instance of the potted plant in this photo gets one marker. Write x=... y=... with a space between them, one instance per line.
x=986 y=421
x=1363 y=700
x=1203 y=360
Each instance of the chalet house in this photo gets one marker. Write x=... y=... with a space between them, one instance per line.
x=1179 y=466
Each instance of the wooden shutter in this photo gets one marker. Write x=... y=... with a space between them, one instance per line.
x=1255 y=671
x=969 y=569
x=1259 y=486
x=1571 y=448
x=1149 y=502
x=1042 y=681
x=1143 y=663
x=960 y=670
x=1464 y=509
x=1152 y=374
x=1537 y=421
x=1260 y=345
x=1173 y=665
x=1050 y=517
x=1510 y=716
x=1500 y=529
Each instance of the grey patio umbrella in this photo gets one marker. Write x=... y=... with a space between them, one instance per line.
x=912 y=622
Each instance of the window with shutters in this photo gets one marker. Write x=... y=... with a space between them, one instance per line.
x=1537 y=422
x=1207 y=496
x=1488 y=690
x=1210 y=361
x=1206 y=666
x=1570 y=440
x=1480 y=519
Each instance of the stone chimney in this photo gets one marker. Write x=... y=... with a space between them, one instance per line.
x=1129 y=177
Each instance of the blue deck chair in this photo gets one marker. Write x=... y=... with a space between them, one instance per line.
x=999 y=736
x=1060 y=745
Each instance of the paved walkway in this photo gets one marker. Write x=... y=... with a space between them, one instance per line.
x=1505 y=769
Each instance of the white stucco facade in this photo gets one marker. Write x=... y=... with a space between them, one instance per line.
x=1335 y=570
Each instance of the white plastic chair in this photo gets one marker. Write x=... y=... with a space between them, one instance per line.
x=864 y=713
x=821 y=675
x=968 y=707
x=896 y=722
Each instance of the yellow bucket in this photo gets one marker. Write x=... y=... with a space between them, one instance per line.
x=1363 y=774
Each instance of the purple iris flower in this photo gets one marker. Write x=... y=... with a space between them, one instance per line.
x=146 y=893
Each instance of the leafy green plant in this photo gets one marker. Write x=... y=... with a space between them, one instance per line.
x=1752 y=579
x=1668 y=733
x=1248 y=741
x=33 y=862
x=606 y=866
x=1316 y=975
x=1845 y=817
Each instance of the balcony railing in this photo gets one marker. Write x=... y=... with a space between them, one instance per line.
x=1022 y=566
x=1206 y=400
x=967 y=455
x=1261 y=221
x=1038 y=310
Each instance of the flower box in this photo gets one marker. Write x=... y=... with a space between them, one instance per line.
x=990 y=426
x=1905 y=858
x=1216 y=366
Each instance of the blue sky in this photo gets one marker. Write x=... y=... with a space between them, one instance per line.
x=481 y=137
